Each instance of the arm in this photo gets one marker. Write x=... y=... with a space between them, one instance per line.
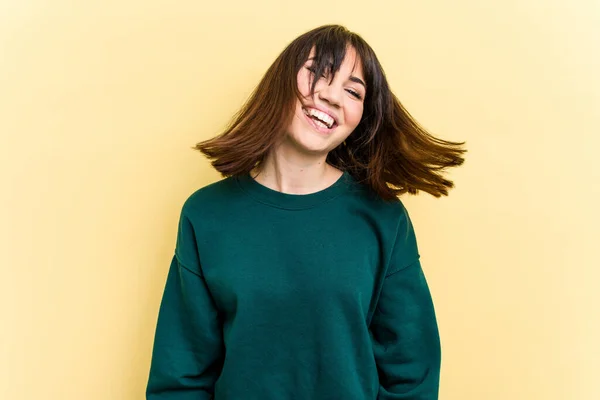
x=188 y=349
x=404 y=330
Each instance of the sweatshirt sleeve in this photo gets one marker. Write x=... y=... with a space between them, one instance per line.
x=404 y=329
x=188 y=349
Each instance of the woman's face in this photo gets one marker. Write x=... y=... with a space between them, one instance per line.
x=324 y=120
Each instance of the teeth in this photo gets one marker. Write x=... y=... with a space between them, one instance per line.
x=321 y=124
x=326 y=119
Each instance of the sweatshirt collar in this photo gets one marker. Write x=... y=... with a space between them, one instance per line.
x=288 y=201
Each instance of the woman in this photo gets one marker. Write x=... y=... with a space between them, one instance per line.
x=298 y=275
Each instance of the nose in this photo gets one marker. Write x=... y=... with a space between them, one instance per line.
x=331 y=93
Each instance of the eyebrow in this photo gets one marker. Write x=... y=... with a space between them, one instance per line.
x=352 y=77
x=358 y=80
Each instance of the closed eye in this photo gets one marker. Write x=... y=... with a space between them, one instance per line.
x=312 y=71
x=354 y=93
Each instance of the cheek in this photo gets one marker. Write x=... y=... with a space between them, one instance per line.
x=303 y=84
x=354 y=114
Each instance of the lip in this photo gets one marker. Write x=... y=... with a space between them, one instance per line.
x=318 y=128
x=326 y=111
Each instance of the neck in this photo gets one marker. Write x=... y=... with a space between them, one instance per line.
x=287 y=175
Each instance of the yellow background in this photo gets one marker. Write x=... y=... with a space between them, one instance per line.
x=100 y=102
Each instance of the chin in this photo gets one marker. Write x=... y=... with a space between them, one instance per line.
x=310 y=142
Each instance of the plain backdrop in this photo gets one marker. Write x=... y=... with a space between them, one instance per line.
x=100 y=102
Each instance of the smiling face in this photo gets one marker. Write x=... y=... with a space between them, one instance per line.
x=323 y=120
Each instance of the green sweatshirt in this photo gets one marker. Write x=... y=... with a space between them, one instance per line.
x=276 y=296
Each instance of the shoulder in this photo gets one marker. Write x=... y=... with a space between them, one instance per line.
x=392 y=222
x=389 y=217
x=209 y=196
x=389 y=210
x=202 y=212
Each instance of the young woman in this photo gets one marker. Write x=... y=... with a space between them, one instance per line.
x=298 y=275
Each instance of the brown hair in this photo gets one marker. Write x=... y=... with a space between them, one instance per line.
x=387 y=147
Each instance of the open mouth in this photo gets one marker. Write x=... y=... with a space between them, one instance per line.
x=320 y=119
